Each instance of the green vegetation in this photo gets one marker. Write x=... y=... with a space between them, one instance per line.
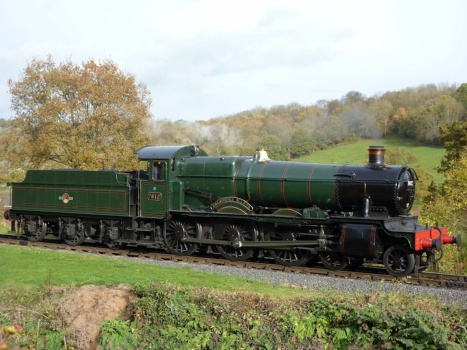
x=170 y=317
x=447 y=202
x=185 y=309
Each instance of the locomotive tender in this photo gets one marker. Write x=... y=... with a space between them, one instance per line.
x=185 y=201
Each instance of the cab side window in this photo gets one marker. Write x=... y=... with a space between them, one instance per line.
x=159 y=170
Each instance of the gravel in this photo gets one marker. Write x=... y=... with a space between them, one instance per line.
x=321 y=283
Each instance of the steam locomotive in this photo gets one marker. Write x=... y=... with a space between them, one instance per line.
x=184 y=201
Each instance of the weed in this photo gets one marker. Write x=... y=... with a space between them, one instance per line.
x=118 y=334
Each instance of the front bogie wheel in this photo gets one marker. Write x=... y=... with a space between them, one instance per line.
x=398 y=260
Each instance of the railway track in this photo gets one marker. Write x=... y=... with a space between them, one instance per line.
x=428 y=279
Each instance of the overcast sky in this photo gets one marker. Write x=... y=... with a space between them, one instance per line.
x=202 y=59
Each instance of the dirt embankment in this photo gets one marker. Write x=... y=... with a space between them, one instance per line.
x=83 y=311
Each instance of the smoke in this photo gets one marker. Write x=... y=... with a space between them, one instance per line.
x=360 y=122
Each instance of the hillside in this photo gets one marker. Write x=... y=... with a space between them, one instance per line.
x=428 y=157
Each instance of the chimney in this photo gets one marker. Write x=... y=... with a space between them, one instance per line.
x=376 y=157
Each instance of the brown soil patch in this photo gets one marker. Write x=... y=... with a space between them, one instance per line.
x=83 y=311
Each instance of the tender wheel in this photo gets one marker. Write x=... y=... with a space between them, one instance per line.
x=333 y=261
x=73 y=236
x=288 y=257
x=38 y=235
x=115 y=246
x=398 y=260
x=176 y=233
x=237 y=233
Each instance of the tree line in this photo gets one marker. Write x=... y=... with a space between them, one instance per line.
x=291 y=131
x=93 y=115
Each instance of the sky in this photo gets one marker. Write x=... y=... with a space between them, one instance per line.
x=202 y=59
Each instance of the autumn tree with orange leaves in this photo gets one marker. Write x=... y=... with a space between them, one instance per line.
x=88 y=116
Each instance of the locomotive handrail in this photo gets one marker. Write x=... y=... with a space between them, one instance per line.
x=350 y=174
x=208 y=195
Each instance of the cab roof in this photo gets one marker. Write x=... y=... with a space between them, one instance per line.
x=169 y=152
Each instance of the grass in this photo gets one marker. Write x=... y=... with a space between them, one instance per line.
x=186 y=309
x=429 y=157
x=28 y=267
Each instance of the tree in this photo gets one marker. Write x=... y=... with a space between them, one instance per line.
x=461 y=96
x=273 y=145
x=282 y=128
x=447 y=202
x=302 y=143
x=381 y=110
x=454 y=138
x=423 y=126
x=66 y=115
x=333 y=107
x=353 y=97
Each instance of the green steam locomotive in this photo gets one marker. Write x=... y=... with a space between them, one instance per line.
x=187 y=202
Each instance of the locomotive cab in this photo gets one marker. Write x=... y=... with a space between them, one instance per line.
x=162 y=191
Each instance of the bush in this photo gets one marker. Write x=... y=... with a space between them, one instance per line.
x=184 y=318
x=171 y=317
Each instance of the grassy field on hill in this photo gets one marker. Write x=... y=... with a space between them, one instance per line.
x=429 y=157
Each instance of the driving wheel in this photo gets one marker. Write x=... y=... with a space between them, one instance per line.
x=333 y=261
x=175 y=235
x=291 y=256
x=236 y=233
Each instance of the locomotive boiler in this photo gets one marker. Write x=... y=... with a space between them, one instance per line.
x=276 y=185
x=185 y=201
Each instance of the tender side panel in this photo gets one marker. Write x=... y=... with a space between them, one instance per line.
x=73 y=192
